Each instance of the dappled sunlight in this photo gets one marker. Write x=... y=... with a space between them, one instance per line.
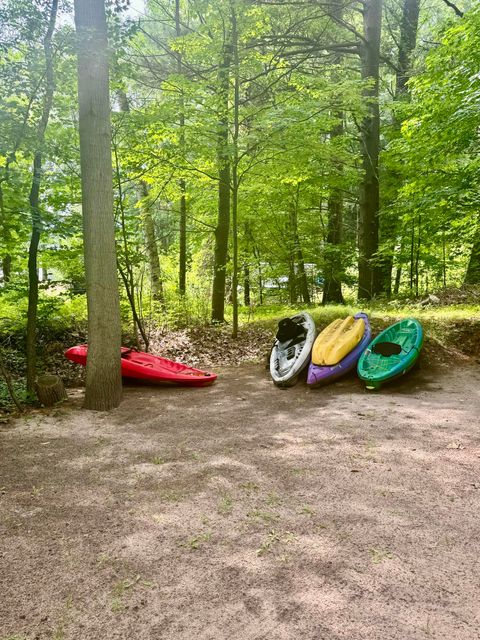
x=264 y=507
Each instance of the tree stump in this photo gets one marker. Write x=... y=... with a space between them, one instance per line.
x=50 y=389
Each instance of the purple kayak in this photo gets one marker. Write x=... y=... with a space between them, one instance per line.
x=319 y=375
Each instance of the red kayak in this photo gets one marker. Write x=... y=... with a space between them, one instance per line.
x=144 y=366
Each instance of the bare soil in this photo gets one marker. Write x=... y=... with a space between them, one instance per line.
x=243 y=512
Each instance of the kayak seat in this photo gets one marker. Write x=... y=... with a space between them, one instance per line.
x=387 y=349
x=288 y=329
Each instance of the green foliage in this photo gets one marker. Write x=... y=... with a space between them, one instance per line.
x=299 y=78
x=438 y=154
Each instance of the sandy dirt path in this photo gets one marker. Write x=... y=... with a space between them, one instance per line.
x=243 y=512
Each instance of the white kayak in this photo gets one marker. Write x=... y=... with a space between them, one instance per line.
x=291 y=350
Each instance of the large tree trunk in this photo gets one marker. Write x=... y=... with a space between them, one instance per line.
x=34 y=201
x=406 y=45
x=389 y=222
x=223 y=160
x=368 y=280
x=103 y=382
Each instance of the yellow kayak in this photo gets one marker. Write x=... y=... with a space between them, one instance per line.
x=337 y=340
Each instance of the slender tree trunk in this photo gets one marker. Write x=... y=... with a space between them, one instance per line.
x=302 y=277
x=332 y=288
x=246 y=285
x=472 y=275
x=297 y=254
x=127 y=274
x=103 y=383
x=150 y=241
x=368 y=278
x=292 y=285
x=257 y=256
x=398 y=277
x=8 y=381
x=412 y=254
x=34 y=201
x=182 y=276
x=417 y=254
x=297 y=279
x=182 y=270
x=6 y=237
x=406 y=47
x=152 y=248
x=444 y=260
x=223 y=160
x=235 y=181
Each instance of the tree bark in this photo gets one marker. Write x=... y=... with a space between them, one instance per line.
x=472 y=275
x=50 y=390
x=406 y=47
x=223 y=161
x=182 y=269
x=246 y=285
x=152 y=248
x=8 y=381
x=235 y=181
x=332 y=288
x=292 y=284
x=34 y=201
x=368 y=277
x=182 y=275
x=6 y=236
x=297 y=277
x=103 y=382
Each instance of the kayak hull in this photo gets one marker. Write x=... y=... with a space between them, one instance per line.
x=138 y=365
x=337 y=340
x=288 y=362
x=319 y=375
x=375 y=368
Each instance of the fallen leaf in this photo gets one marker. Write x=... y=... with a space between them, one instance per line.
x=455 y=445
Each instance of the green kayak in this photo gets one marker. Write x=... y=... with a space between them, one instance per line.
x=391 y=354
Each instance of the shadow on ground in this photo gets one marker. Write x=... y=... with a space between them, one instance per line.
x=243 y=512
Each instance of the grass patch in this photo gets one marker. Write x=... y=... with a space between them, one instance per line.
x=225 y=506
x=263 y=516
x=379 y=555
x=197 y=541
x=273 y=539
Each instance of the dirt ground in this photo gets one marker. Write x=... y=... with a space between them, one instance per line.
x=245 y=512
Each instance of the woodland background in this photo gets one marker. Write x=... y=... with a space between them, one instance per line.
x=265 y=153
